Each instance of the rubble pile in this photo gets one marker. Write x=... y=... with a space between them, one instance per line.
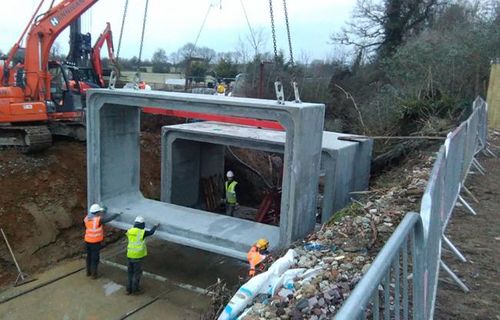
x=344 y=249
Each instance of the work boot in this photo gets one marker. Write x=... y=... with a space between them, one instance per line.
x=138 y=292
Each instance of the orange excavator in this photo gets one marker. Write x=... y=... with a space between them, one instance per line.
x=106 y=37
x=36 y=97
x=88 y=60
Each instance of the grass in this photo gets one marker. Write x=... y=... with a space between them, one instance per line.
x=354 y=209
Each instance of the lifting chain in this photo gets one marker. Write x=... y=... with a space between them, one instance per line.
x=273 y=30
x=121 y=31
x=137 y=77
x=114 y=72
x=292 y=61
x=278 y=86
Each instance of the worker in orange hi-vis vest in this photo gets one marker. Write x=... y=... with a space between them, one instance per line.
x=256 y=256
x=94 y=235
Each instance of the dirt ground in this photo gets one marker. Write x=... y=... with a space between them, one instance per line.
x=43 y=202
x=478 y=238
x=79 y=297
x=43 y=199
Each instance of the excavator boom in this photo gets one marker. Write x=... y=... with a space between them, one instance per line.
x=30 y=97
x=105 y=37
x=40 y=39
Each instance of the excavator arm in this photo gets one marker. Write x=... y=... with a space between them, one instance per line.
x=105 y=37
x=39 y=41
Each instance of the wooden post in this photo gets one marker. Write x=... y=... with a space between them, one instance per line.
x=494 y=96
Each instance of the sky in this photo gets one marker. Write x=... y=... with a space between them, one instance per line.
x=171 y=24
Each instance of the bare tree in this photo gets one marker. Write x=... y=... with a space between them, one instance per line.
x=241 y=51
x=383 y=26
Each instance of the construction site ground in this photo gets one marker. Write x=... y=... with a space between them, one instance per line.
x=43 y=202
x=173 y=284
x=478 y=238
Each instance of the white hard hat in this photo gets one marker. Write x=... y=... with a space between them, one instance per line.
x=229 y=174
x=95 y=208
x=139 y=219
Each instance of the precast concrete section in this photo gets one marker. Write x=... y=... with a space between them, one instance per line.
x=113 y=168
x=194 y=151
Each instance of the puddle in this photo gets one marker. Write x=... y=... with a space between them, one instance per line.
x=111 y=287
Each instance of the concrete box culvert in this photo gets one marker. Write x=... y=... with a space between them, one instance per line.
x=194 y=151
x=113 y=168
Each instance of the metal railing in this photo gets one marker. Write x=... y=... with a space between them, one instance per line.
x=454 y=162
x=393 y=279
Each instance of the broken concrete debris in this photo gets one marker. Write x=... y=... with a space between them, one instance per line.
x=343 y=249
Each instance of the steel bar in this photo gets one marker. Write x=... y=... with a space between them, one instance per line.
x=376 y=305
x=405 y=280
x=454 y=277
x=479 y=167
x=462 y=201
x=470 y=194
x=387 y=295
x=397 y=297
x=454 y=249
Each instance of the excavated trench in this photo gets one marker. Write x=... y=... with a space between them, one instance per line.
x=43 y=202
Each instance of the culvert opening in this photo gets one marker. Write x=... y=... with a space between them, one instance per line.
x=198 y=179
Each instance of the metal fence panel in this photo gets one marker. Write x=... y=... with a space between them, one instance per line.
x=455 y=151
x=367 y=300
x=471 y=143
x=420 y=234
x=431 y=212
x=482 y=107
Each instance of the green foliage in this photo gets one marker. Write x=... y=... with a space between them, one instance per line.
x=454 y=61
x=428 y=107
x=160 y=61
x=225 y=68
x=198 y=70
x=352 y=210
x=433 y=74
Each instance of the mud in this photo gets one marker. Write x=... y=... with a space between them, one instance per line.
x=478 y=238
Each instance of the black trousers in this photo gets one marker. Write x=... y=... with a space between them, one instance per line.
x=134 y=275
x=93 y=256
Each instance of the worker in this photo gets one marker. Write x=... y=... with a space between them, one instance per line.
x=94 y=235
x=221 y=89
x=256 y=256
x=136 y=251
x=230 y=189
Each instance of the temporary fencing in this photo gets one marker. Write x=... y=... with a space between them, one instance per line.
x=453 y=164
x=400 y=257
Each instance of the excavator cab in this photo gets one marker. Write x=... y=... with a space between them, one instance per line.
x=65 y=91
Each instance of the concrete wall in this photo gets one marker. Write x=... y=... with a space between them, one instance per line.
x=113 y=168
x=192 y=161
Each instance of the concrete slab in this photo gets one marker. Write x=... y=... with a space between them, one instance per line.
x=79 y=297
x=113 y=166
x=195 y=228
x=189 y=149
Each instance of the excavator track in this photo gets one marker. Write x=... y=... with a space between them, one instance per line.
x=26 y=138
